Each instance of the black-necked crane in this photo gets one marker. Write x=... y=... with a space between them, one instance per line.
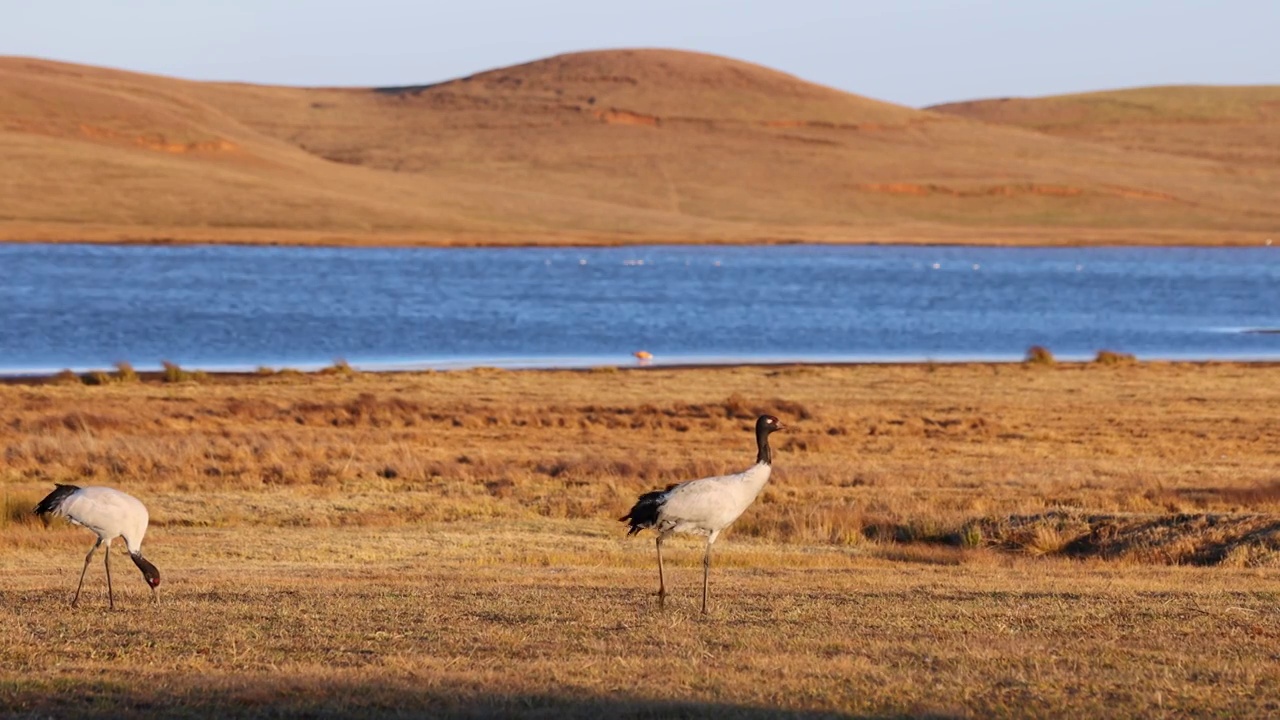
x=705 y=506
x=110 y=514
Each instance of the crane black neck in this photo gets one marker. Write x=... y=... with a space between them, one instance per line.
x=763 y=454
x=148 y=570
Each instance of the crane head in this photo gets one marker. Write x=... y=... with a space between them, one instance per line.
x=768 y=424
x=149 y=571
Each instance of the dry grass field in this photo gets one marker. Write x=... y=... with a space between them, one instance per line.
x=1237 y=125
x=1072 y=540
x=620 y=146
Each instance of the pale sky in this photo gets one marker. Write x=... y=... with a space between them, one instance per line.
x=914 y=52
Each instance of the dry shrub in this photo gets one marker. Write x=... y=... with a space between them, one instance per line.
x=66 y=377
x=96 y=377
x=18 y=509
x=1042 y=540
x=1251 y=555
x=173 y=373
x=1039 y=355
x=1109 y=357
x=970 y=535
x=1048 y=533
x=339 y=367
x=125 y=373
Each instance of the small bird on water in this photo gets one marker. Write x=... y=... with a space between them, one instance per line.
x=705 y=506
x=110 y=514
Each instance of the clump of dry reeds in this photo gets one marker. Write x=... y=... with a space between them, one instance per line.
x=339 y=367
x=96 y=377
x=65 y=377
x=125 y=373
x=1039 y=355
x=1110 y=357
x=173 y=373
x=17 y=509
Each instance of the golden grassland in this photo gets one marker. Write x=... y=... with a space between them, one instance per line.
x=938 y=540
x=621 y=147
x=1232 y=124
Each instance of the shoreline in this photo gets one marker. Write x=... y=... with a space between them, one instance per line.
x=195 y=374
x=907 y=235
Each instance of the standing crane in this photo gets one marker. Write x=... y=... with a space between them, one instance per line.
x=110 y=514
x=705 y=506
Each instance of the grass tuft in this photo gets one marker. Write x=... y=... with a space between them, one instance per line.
x=1110 y=357
x=18 y=509
x=971 y=535
x=339 y=367
x=96 y=377
x=1039 y=355
x=173 y=373
x=66 y=377
x=125 y=373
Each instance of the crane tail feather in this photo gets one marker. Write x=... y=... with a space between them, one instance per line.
x=52 y=503
x=644 y=514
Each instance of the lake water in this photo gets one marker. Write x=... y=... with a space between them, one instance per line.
x=222 y=307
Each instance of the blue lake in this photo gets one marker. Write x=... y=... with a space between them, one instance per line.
x=223 y=307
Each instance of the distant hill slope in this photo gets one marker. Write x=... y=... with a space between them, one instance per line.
x=1238 y=125
x=609 y=146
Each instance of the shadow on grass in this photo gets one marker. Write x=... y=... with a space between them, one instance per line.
x=292 y=698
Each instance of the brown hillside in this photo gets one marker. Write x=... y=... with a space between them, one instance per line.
x=611 y=146
x=1236 y=125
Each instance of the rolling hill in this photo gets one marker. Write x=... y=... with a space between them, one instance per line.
x=1235 y=125
x=609 y=147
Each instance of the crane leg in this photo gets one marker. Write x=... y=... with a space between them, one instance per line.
x=76 y=600
x=111 y=595
x=706 y=574
x=662 y=580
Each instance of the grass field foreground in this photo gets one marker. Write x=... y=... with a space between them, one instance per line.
x=949 y=540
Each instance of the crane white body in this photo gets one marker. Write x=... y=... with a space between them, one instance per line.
x=705 y=506
x=709 y=505
x=109 y=514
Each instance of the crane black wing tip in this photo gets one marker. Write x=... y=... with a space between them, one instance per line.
x=644 y=514
x=635 y=525
x=54 y=499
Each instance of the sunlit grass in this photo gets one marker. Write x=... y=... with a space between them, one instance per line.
x=928 y=532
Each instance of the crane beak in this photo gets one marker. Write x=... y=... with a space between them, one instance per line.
x=155 y=598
